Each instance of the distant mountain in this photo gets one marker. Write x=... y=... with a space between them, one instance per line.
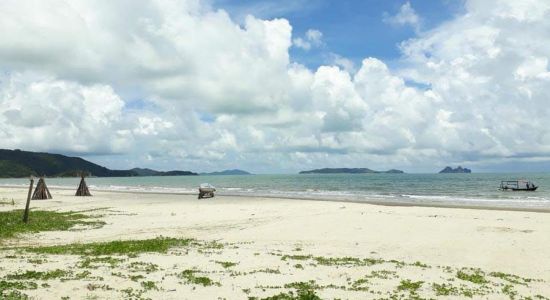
x=459 y=169
x=150 y=172
x=17 y=163
x=229 y=172
x=349 y=171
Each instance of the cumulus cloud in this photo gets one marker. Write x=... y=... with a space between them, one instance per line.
x=313 y=38
x=406 y=16
x=220 y=94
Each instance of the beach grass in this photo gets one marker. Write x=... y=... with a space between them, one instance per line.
x=12 y=222
x=130 y=247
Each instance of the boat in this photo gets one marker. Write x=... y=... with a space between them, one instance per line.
x=206 y=190
x=517 y=185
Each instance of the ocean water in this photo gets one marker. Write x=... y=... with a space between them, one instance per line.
x=438 y=189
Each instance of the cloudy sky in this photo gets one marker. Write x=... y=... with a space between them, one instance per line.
x=278 y=86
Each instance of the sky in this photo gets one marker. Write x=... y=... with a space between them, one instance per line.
x=279 y=86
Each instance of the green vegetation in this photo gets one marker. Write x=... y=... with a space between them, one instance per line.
x=17 y=285
x=421 y=265
x=96 y=262
x=511 y=278
x=139 y=266
x=35 y=275
x=444 y=289
x=17 y=163
x=476 y=277
x=226 y=264
x=12 y=295
x=12 y=223
x=190 y=277
x=356 y=277
x=149 y=285
x=302 y=291
x=336 y=261
x=9 y=169
x=159 y=245
x=408 y=285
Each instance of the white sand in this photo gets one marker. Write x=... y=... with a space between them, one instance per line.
x=260 y=228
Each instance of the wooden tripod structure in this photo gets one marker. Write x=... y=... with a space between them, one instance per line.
x=82 y=187
x=41 y=192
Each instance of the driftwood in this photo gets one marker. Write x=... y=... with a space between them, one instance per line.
x=41 y=191
x=82 y=188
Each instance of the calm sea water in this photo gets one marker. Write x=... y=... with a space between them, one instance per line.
x=451 y=189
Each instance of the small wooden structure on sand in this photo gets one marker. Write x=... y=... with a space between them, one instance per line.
x=82 y=187
x=41 y=192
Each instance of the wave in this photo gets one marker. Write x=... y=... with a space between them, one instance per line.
x=506 y=200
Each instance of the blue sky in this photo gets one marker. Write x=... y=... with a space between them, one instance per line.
x=354 y=29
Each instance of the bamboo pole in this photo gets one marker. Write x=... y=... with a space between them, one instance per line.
x=27 y=206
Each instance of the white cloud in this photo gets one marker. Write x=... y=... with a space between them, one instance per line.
x=221 y=94
x=406 y=16
x=39 y=112
x=312 y=39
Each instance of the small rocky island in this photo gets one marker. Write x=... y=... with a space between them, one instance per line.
x=350 y=171
x=459 y=169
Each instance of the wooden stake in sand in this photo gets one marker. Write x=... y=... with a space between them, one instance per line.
x=82 y=187
x=27 y=206
x=41 y=191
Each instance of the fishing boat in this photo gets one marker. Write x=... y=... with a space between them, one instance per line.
x=206 y=190
x=517 y=185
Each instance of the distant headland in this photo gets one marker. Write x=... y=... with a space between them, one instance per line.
x=349 y=171
x=459 y=169
x=18 y=163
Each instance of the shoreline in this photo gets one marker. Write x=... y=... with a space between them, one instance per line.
x=371 y=202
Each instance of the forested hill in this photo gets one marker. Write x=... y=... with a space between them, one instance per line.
x=18 y=163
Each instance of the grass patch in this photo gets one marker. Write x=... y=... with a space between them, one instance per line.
x=96 y=262
x=409 y=285
x=475 y=277
x=12 y=295
x=511 y=278
x=159 y=245
x=303 y=291
x=190 y=277
x=39 y=220
x=444 y=289
x=139 y=266
x=35 y=275
x=17 y=285
x=336 y=261
x=149 y=285
x=226 y=264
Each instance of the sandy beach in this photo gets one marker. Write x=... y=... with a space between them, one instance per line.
x=261 y=247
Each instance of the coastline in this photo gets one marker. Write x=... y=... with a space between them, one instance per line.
x=434 y=204
x=275 y=243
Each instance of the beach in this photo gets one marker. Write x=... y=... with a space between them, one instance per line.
x=260 y=247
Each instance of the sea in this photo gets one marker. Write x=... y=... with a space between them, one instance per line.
x=476 y=189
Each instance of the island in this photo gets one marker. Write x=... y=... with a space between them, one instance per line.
x=350 y=171
x=18 y=163
x=150 y=172
x=459 y=169
x=228 y=172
